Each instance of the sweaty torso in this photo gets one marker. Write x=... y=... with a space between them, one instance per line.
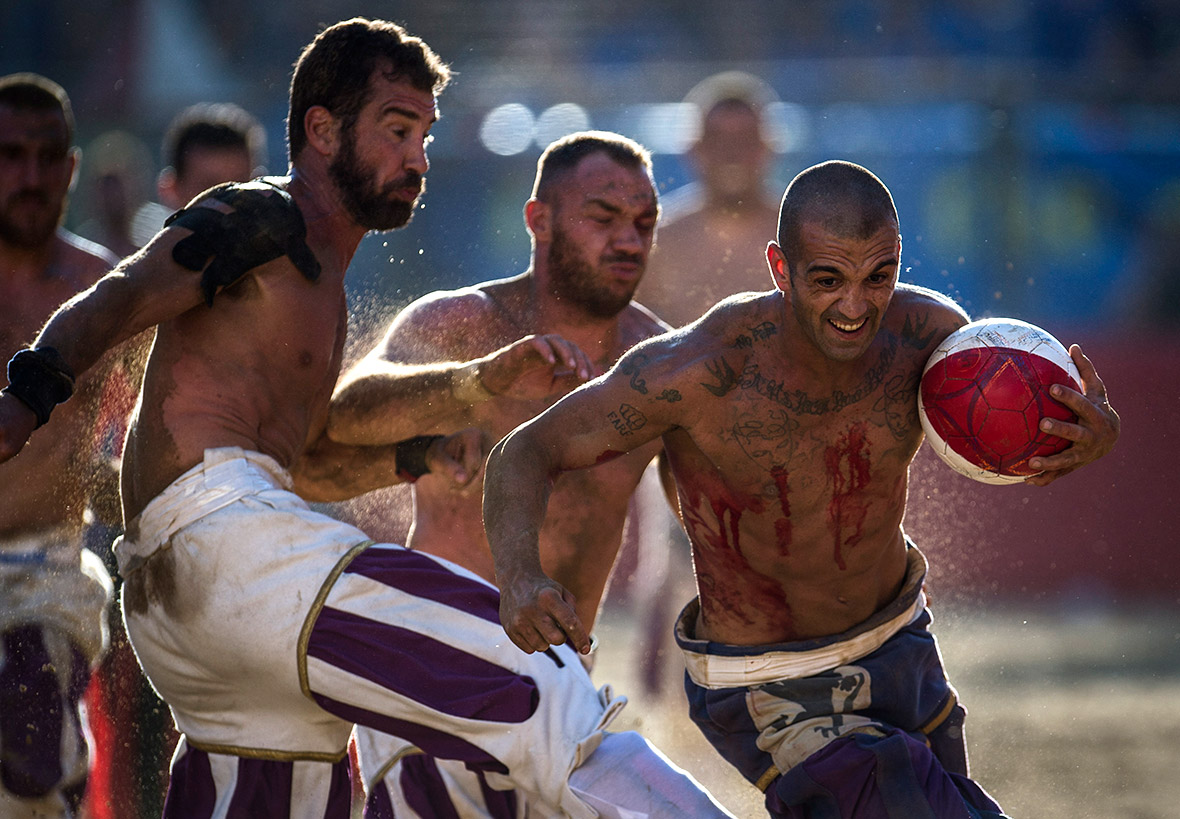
x=47 y=483
x=793 y=494
x=587 y=508
x=254 y=370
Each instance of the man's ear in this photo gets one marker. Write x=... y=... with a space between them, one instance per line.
x=322 y=129
x=75 y=159
x=538 y=217
x=780 y=271
x=166 y=188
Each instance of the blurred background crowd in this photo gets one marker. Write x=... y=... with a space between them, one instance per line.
x=1033 y=146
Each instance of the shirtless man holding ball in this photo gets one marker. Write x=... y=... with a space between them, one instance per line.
x=790 y=420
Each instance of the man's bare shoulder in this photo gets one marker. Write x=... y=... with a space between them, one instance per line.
x=730 y=325
x=451 y=324
x=731 y=318
x=476 y=303
x=923 y=311
x=917 y=295
x=640 y=322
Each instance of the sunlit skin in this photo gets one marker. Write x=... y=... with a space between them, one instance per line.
x=790 y=436
x=538 y=339
x=257 y=370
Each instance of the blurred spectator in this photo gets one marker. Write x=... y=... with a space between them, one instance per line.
x=53 y=592
x=117 y=183
x=712 y=236
x=207 y=144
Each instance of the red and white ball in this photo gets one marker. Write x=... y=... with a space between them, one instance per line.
x=984 y=392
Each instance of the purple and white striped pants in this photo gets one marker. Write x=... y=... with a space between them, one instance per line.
x=53 y=629
x=270 y=629
x=43 y=747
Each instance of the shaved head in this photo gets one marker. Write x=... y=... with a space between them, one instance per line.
x=846 y=199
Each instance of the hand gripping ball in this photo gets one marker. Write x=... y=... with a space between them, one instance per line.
x=984 y=392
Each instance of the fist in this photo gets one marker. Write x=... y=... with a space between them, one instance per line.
x=536 y=367
x=459 y=456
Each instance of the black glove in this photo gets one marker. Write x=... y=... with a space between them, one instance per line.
x=265 y=223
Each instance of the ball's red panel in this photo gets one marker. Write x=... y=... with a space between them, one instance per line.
x=986 y=403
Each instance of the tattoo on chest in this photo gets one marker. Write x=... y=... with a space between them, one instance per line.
x=768 y=438
x=912 y=331
x=897 y=404
x=752 y=379
x=775 y=433
x=723 y=374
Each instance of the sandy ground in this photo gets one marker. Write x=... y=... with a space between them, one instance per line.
x=1071 y=714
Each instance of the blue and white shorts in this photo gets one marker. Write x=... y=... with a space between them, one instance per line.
x=863 y=723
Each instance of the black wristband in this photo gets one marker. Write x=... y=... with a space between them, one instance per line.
x=410 y=456
x=41 y=379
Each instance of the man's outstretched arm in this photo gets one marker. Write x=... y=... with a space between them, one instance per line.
x=421 y=376
x=593 y=424
x=330 y=471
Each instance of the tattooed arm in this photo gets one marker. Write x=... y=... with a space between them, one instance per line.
x=618 y=412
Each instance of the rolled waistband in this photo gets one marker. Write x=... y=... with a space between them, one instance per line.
x=226 y=474
x=719 y=665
